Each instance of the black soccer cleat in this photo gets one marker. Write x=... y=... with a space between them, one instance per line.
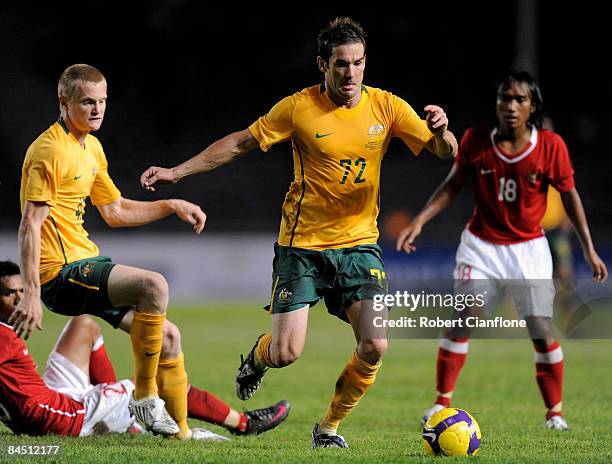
x=249 y=376
x=261 y=420
x=322 y=440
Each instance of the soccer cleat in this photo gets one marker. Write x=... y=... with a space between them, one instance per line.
x=206 y=435
x=556 y=422
x=322 y=440
x=261 y=420
x=430 y=412
x=152 y=413
x=249 y=376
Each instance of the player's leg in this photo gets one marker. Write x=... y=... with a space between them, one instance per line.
x=359 y=374
x=295 y=279
x=203 y=405
x=82 y=343
x=171 y=377
x=276 y=349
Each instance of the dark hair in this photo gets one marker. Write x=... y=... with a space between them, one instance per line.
x=512 y=76
x=8 y=268
x=339 y=31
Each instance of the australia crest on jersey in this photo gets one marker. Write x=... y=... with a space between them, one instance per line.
x=376 y=129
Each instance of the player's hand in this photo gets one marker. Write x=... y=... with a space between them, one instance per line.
x=407 y=236
x=157 y=176
x=190 y=213
x=27 y=315
x=436 y=119
x=600 y=271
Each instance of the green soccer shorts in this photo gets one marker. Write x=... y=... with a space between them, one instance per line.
x=340 y=276
x=81 y=287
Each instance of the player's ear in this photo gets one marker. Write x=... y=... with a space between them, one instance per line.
x=322 y=64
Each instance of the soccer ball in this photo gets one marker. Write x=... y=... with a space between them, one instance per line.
x=451 y=432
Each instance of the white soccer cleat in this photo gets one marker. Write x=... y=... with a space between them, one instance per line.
x=152 y=413
x=431 y=411
x=206 y=435
x=557 y=423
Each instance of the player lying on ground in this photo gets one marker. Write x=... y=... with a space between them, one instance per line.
x=79 y=394
x=327 y=246
x=512 y=163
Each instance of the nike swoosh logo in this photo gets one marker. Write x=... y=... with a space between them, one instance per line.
x=486 y=171
x=320 y=136
x=78 y=177
x=25 y=352
x=151 y=354
x=431 y=436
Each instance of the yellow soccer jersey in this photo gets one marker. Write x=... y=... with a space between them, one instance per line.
x=62 y=174
x=555 y=212
x=333 y=200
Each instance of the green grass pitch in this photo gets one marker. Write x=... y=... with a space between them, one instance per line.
x=497 y=386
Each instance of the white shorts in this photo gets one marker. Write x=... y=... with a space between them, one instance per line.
x=522 y=270
x=106 y=405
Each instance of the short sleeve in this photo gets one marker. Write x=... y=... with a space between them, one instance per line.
x=43 y=176
x=561 y=175
x=408 y=126
x=277 y=125
x=103 y=190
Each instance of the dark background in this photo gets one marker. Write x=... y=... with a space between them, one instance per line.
x=182 y=74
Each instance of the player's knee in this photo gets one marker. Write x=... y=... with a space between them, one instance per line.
x=373 y=349
x=171 y=343
x=85 y=324
x=154 y=292
x=284 y=354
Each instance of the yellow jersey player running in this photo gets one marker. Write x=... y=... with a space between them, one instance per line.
x=339 y=131
x=63 y=167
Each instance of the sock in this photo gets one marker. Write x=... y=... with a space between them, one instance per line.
x=352 y=384
x=172 y=384
x=452 y=354
x=146 y=334
x=262 y=352
x=549 y=375
x=205 y=406
x=100 y=366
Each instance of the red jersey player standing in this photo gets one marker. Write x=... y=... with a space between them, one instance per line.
x=512 y=165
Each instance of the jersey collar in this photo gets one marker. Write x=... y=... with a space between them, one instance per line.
x=533 y=140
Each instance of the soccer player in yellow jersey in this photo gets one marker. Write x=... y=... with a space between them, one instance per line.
x=339 y=131
x=63 y=167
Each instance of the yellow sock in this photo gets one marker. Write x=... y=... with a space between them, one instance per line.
x=146 y=334
x=172 y=384
x=352 y=384
x=262 y=352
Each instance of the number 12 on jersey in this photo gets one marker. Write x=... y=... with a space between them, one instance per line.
x=506 y=190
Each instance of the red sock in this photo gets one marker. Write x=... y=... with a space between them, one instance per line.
x=549 y=374
x=205 y=406
x=100 y=366
x=451 y=358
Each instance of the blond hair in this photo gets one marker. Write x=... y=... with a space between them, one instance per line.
x=73 y=76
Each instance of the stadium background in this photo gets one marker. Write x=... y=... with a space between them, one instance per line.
x=181 y=75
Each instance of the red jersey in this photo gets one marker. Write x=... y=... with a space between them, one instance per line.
x=27 y=405
x=511 y=189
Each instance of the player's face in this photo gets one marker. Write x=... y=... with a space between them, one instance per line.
x=11 y=292
x=514 y=106
x=86 y=110
x=344 y=72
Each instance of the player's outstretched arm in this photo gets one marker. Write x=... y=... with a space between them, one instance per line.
x=28 y=314
x=130 y=213
x=443 y=144
x=440 y=199
x=575 y=213
x=221 y=152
